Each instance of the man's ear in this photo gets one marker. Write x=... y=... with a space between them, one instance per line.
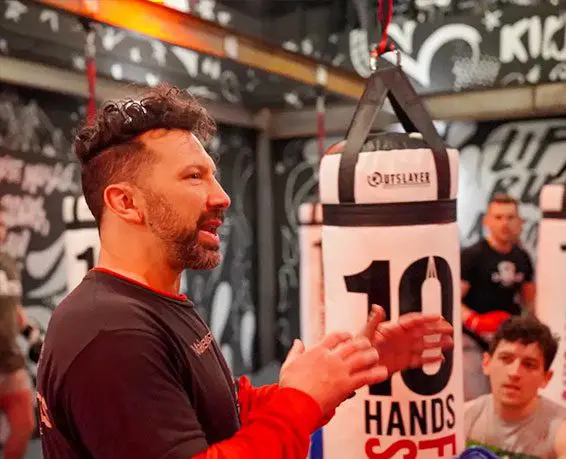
x=122 y=200
x=485 y=363
x=547 y=377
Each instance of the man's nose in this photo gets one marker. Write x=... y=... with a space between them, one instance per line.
x=218 y=198
x=514 y=369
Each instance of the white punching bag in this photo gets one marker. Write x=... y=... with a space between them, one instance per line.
x=551 y=280
x=82 y=243
x=390 y=238
x=312 y=289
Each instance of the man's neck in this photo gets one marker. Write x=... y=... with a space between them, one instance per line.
x=514 y=414
x=499 y=246
x=151 y=272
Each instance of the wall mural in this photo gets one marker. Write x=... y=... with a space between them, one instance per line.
x=37 y=170
x=295 y=180
x=33 y=32
x=493 y=46
x=516 y=157
x=509 y=46
x=501 y=46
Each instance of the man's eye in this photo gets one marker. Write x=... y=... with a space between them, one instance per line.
x=195 y=176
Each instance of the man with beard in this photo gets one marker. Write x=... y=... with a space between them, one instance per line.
x=497 y=280
x=128 y=368
x=514 y=420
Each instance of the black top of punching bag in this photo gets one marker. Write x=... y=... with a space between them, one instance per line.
x=384 y=141
x=390 y=82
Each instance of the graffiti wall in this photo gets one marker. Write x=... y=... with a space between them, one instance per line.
x=42 y=34
x=295 y=179
x=517 y=158
x=38 y=169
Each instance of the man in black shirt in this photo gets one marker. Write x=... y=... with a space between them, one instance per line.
x=497 y=282
x=128 y=368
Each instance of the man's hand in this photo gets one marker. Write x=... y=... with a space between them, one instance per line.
x=400 y=345
x=333 y=369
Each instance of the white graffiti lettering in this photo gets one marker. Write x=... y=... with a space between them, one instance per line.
x=25 y=211
x=418 y=67
x=516 y=158
x=17 y=244
x=533 y=38
x=47 y=178
x=11 y=169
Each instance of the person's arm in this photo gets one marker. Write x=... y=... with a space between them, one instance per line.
x=528 y=288
x=528 y=296
x=467 y=262
x=274 y=430
x=466 y=311
x=252 y=398
x=482 y=325
x=122 y=395
x=22 y=317
x=30 y=333
x=560 y=441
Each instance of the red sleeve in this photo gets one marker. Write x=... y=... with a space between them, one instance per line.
x=251 y=398
x=279 y=429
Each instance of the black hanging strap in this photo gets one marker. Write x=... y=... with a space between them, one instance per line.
x=369 y=104
x=411 y=112
x=414 y=117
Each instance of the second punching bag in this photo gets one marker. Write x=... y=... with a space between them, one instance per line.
x=312 y=288
x=551 y=288
x=390 y=238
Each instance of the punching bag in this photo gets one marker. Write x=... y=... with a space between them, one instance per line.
x=311 y=280
x=311 y=289
x=551 y=280
x=390 y=238
x=82 y=243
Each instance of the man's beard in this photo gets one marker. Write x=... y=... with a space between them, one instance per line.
x=183 y=248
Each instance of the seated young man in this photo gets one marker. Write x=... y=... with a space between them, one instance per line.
x=514 y=420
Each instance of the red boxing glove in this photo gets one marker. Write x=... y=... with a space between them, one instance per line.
x=486 y=323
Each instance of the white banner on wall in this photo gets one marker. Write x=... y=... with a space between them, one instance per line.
x=551 y=280
x=404 y=268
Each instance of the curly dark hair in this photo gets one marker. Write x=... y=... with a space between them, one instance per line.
x=527 y=330
x=109 y=148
